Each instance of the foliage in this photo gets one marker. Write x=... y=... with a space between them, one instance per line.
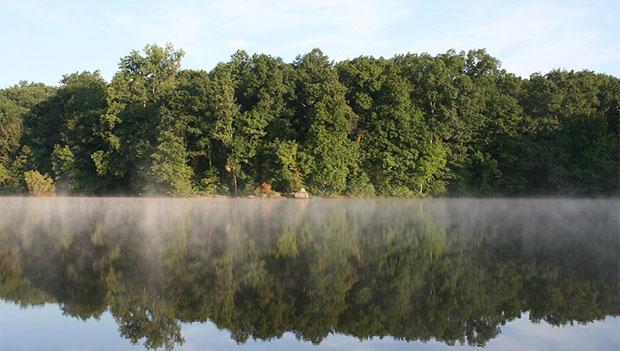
x=16 y=102
x=407 y=126
x=285 y=170
x=62 y=166
x=39 y=184
x=323 y=125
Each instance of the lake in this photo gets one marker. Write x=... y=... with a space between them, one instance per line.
x=224 y=274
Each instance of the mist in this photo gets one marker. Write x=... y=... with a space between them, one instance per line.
x=155 y=217
x=364 y=268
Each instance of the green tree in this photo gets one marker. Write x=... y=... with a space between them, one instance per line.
x=223 y=112
x=84 y=100
x=568 y=136
x=323 y=123
x=398 y=152
x=68 y=118
x=131 y=124
x=263 y=90
x=15 y=103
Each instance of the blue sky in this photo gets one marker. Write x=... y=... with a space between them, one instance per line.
x=42 y=40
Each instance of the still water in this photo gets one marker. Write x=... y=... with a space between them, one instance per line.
x=120 y=274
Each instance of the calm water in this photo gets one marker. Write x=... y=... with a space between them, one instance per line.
x=118 y=274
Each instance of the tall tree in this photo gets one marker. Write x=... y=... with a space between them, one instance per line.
x=224 y=111
x=15 y=103
x=398 y=151
x=131 y=125
x=323 y=124
x=263 y=90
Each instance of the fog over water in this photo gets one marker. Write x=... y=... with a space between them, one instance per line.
x=443 y=271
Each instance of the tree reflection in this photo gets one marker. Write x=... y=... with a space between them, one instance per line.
x=453 y=270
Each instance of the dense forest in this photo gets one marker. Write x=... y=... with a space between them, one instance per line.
x=454 y=271
x=412 y=125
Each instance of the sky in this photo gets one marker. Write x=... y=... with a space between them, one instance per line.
x=42 y=40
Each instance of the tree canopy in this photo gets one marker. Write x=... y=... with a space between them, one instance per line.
x=411 y=125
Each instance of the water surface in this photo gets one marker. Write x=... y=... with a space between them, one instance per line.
x=102 y=274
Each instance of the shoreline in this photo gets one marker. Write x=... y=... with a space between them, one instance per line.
x=254 y=198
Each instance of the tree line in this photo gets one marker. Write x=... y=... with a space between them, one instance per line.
x=411 y=125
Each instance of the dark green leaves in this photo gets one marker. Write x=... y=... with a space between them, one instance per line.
x=412 y=125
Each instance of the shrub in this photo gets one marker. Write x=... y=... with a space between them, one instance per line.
x=360 y=186
x=210 y=184
x=39 y=184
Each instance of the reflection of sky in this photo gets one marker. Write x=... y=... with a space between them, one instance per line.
x=45 y=328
